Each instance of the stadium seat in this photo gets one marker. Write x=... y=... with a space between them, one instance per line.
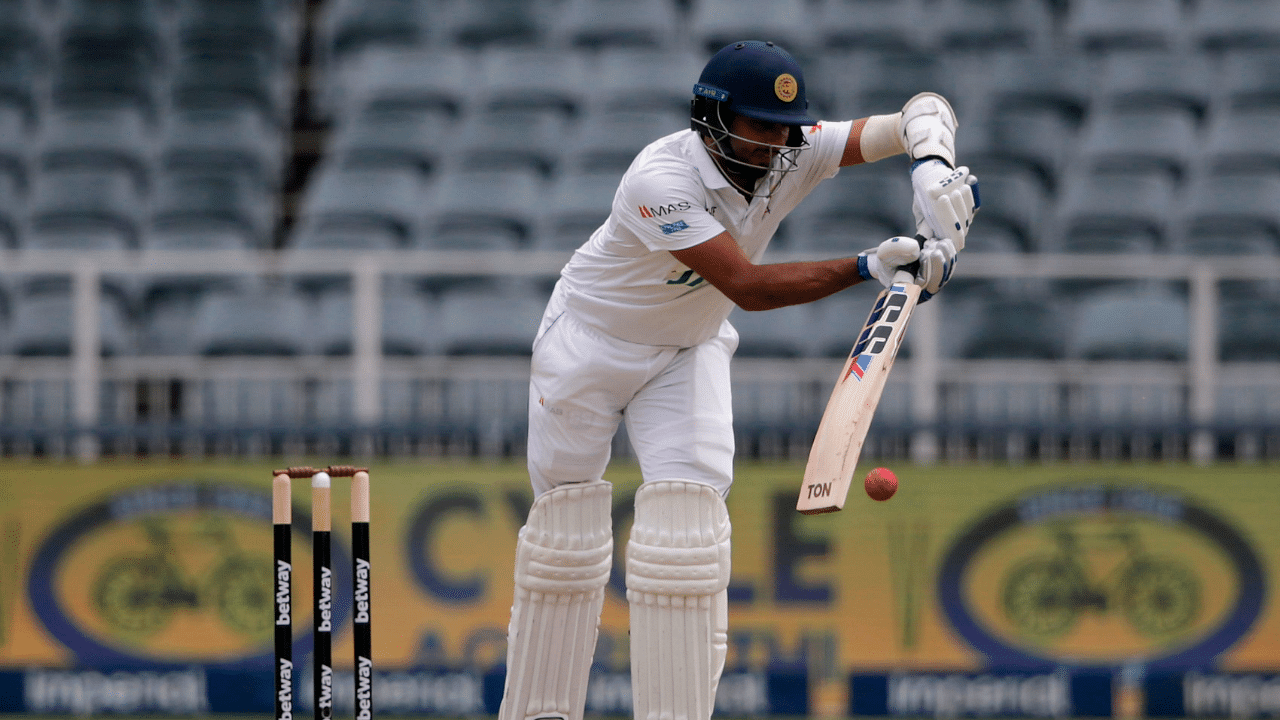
x=22 y=78
x=388 y=200
x=409 y=322
x=1116 y=212
x=97 y=139
x=531 y=80
x=1108 y=25
x=1029 y=82
x=610 y=141
x=253 y=26
x=481 y=202
x=224 y=140
x=430 y=79
x=1152 y=79
x=227 y=80
x=1014 y=206
x=889 y=80
x=13 y=210
x=844 y=26
x=1149 y=323
x=350 y=27
x=169 y=307
x=119 y=27
x=596 y=25
x=85 y=80
x=213 y=200
x=1234 y=214
x=518 y=140
x=1248 y=329
x=391 y=138
x=255 y=321
x=1228 y=25
x=716 y=23
x=991 y=26
x=499 y=317
x=1243 y=140
x=41 y=321
x=1015 y=327
x=784 y=332
x=90 y=200
x=856 y=209
x=195 y=237
x=666 y=84
x=1140 y=140
x=484 y=24
x=580 y=202
x=1248 y=79
x=21 y=32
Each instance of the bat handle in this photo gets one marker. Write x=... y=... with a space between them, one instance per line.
x=904 y=277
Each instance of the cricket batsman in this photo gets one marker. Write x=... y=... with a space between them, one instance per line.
x=636 y=331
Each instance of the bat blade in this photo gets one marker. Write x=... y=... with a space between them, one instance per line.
x=833 y=456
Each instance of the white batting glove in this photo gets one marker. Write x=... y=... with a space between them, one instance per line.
x=937 y=260
x=881 y=262
x=946 y=199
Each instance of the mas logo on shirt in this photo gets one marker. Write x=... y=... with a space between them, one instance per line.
x=659 y=211
x=675 y=227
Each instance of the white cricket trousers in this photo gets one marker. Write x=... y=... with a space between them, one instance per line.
x=676 y=403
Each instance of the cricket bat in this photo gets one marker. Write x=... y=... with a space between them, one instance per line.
x=838 y=443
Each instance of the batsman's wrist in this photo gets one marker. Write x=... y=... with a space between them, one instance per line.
x=927 y=158
x=864 y=267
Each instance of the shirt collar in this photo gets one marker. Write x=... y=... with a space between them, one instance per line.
x=712 y=178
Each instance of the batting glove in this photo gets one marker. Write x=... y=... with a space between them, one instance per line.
x=945 y=199
x=937 y=260
x=884 y=260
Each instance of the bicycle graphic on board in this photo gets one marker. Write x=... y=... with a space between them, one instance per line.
x=1045 y=595
x=138 y=593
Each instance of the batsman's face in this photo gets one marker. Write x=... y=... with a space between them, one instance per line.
x=756 y=139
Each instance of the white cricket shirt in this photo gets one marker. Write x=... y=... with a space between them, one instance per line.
x=625 y=282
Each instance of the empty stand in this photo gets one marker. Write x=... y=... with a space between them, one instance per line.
x=716 y=23
x=1131 y=324
x=870 y=25
x=255 y=320
x=610 y=24
x=499 y=317
x=1109 y=25
x=383 y=200
x=410 y=325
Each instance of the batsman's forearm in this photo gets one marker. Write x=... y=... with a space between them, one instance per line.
x=767 y=287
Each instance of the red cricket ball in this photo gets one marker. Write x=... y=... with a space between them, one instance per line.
x=881 y=484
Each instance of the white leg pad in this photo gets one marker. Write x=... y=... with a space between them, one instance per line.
x=563 y=559
x=677 y=578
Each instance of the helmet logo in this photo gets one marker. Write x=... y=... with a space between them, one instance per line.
x=785 y=87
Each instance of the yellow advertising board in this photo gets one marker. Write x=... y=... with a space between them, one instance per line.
x=966 y=567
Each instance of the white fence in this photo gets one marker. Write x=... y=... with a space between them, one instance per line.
x=935 y=407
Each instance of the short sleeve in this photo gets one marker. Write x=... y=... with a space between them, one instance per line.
x=666 y=208
x=826 y=147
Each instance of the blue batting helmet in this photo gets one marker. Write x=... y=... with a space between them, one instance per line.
x=757 y=79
